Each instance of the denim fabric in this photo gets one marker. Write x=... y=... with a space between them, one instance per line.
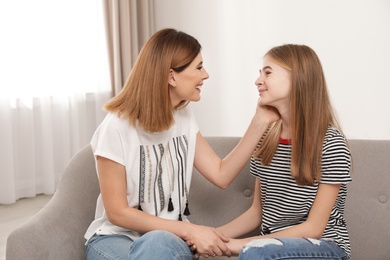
x=291 y=248
x=159 y=245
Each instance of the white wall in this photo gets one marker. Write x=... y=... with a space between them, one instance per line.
x=351 y=37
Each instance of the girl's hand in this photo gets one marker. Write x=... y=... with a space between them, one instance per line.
x=236 y=245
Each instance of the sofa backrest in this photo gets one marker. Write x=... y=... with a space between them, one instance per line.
x=368 y=202
x=213 y=206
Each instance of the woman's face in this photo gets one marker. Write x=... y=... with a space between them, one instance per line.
x=186 y=85
x=274 y=84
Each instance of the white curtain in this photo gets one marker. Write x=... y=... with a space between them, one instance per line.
x=39 y=137
x=54 y=81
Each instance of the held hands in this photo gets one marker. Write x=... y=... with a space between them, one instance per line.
x=207 y=242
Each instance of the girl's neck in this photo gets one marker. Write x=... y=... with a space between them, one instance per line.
x=286 y=130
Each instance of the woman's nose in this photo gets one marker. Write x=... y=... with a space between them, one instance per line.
x=206 y=75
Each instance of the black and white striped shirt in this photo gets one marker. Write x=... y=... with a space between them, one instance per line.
x=287 y=204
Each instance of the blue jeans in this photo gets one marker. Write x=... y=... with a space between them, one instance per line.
x=291 y=248
x=157 y=244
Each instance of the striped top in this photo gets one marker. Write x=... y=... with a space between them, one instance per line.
x=287 y=204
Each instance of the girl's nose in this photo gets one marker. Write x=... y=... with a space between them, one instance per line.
x=259 y=81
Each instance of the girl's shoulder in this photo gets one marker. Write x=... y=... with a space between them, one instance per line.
x=336 y=158
x=334 y=139
x=332 y=133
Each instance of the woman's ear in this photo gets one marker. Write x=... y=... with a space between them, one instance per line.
x=171 y=78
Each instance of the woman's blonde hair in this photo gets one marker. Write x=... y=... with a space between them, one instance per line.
x=311 y=113
x=145 y=99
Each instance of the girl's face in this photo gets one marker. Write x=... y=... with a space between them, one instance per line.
x=274 y=84
x=187 y=84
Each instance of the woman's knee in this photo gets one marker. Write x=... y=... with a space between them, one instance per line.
x=108 y=247
x=160 y=238
x=161 y=243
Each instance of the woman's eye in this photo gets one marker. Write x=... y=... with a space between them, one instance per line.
x=267 y=73
x=199 y=68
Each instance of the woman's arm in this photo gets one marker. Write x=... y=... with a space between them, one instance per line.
x=313 y=227
x=222 y=172
x=112 y=180
x=248 y=221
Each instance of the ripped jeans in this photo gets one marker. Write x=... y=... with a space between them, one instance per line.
x=291 y=248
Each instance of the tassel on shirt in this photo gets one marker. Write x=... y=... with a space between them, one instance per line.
x=187 y=210
x=170 y=205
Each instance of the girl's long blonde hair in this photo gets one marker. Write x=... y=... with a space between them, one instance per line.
x=311 y=113
x=145 y=98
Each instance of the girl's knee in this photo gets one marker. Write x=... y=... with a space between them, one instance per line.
x=297 y=248
x=259 y=248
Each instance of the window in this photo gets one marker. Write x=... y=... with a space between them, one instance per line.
x=51 y=48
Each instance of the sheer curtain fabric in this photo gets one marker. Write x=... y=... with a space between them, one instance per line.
x=39 y=137
x=54 y=81
x=65 y=60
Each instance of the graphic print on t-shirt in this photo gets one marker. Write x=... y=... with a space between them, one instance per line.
x=163 y=170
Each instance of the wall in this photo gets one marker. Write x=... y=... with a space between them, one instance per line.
x=351 y=37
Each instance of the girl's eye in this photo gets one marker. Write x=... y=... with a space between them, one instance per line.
x=199 y=68
x=267 y=73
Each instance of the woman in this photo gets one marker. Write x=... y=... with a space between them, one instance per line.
x=301 y=165
x=145 y=150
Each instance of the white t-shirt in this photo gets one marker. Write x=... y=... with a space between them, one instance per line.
x=158 y=167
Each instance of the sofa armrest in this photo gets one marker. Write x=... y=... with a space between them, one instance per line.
x=57 y=231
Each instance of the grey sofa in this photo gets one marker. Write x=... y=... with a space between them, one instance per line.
x=56 y=232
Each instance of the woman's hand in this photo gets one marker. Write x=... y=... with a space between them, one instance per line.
x=207 y=242
x=266 y=114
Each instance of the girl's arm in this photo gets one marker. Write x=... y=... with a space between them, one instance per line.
x=222 y=172
x=313 y=227
x=248 y=221
x=112 y=180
